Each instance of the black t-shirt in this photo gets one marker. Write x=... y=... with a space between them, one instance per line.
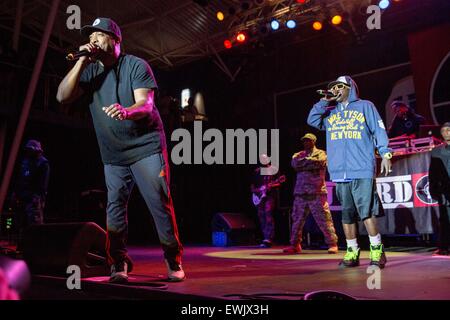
x=128 y=141
x=408 y=125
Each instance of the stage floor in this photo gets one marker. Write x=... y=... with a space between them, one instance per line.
x=249 y=272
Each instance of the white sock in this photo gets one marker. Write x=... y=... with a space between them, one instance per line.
x=375 y=240
x=352 y=243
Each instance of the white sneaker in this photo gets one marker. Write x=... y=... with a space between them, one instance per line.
x=119 y=273
x=175 y=272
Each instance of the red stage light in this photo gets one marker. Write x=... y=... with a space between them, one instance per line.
x=240 y=37
x=227 y=43
x=301 y=1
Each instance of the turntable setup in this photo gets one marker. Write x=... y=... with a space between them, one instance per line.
x=405 y=145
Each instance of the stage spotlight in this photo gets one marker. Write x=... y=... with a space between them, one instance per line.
x=241 y=37
x=291 y=24
x=275 y=25
x=227 y=44
x=336 y=20
x=317 y=25
x=383 y=4
x=301 y=1
x=220 y=16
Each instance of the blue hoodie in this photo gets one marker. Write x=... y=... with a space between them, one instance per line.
x=353 y=133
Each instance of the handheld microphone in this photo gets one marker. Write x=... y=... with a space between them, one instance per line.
x=82 y=53
x=325 y=92
x=76 y=55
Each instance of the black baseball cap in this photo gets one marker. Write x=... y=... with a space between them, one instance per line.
x=102 y=24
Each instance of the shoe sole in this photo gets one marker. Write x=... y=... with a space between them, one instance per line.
x=118 y=280
x=381 y=266
x=343 y=265
x=176 y=279
x=292 y=252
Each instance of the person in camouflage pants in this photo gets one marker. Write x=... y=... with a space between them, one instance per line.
x=311 y=195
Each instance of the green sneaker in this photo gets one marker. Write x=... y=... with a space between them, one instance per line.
x=377 y=256
x=351 y=258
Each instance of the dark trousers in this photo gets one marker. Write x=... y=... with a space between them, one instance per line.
x=444 y=227
x=151 y=175
x=265 y=215
x=30 y=211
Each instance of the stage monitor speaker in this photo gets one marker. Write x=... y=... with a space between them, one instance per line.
x=327 y=295
x=232 y=229
x=50 y=248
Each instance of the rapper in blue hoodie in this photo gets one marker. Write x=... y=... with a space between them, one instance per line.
x=354 y=130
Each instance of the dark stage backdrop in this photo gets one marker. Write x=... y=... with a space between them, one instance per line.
x=431 y=70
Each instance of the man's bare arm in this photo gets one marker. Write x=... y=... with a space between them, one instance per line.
x=69 y=89
x=142 y=108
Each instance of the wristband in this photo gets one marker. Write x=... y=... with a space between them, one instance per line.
x=387 y=155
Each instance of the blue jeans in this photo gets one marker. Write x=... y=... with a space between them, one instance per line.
x=151 y=175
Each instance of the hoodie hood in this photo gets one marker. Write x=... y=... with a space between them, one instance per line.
x=354 y=92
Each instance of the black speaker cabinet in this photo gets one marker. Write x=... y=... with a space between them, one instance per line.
x=50 y=248
x=232 y=229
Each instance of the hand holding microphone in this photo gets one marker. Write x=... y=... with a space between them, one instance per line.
x=85 y=52
x=327 y=95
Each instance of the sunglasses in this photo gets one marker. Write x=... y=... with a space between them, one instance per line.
x=339 y=86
